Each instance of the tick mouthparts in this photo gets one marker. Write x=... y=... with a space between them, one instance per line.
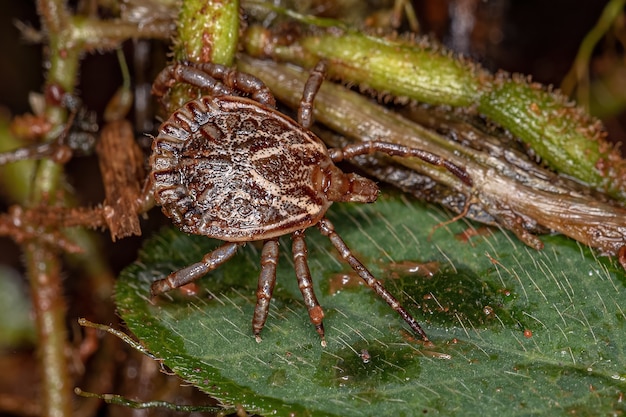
x=349 y=187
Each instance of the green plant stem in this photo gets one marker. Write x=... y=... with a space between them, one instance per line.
x=578 y=73
x=392 y=68
x=565 y=137
x=208 y=31
x=44 y=273
x=43 y=265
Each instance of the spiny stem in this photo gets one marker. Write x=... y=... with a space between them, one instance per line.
x=43 y=266
x=49 y=305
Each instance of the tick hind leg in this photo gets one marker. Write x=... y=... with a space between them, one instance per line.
x=327 y=229
x=305 y=283
x=184 y=276
x=265 y=288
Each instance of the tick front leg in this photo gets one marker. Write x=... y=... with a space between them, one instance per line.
x=215 y=79
x=267 y=280
x=209 y=262
x=394 y=149
x=312 y=86
x=327 y=229
x=305 y=283
x=188 y=74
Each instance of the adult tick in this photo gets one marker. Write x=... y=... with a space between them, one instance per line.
x=236 y=169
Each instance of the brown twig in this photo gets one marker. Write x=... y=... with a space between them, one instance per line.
x=121 y=165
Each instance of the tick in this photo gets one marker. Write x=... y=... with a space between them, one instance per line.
x=236 y=169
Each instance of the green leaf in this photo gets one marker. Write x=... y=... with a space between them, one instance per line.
x=516 y=331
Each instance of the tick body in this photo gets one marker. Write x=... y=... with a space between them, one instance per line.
x=233 y=169
x=236 y=169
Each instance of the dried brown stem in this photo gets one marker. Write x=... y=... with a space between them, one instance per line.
x=121 y=165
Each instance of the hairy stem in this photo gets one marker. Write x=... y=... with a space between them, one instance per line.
x=43 y=265
x=49 y=305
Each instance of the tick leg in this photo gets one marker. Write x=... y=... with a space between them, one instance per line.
x=145 y=201
x=267 y=280
x=327 y=229
x=305 y=283
x=209 y=262
x=394 y=149
x=239 y=81
x=215 y=79
x=312 y=86
x=181 y=73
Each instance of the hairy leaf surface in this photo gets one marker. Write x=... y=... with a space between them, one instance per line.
x=515 y=331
